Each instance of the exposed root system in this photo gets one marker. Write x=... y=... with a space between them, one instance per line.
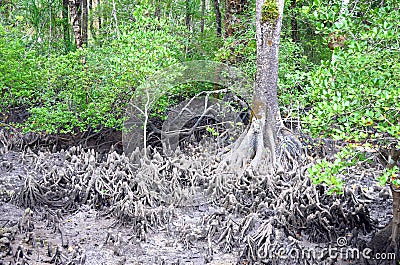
x=253 y=215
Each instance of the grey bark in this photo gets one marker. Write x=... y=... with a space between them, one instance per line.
x=114 y=13
x=99 y=19
x=91 y=28
x=395 y=237
x=265 y=101
x=261 y=138
x=188 y=15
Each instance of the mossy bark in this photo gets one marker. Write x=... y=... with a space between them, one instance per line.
x=270 y=12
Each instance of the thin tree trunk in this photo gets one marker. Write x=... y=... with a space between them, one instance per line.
x=74 y=11
x=114 y=12
x=79 y=11
x=393 y=157
x=293 y=21
x=265 y=103
x=228 y=17
x=387 y=240
x=91 y=27
x=218 y=18
x=99 y=19
x=66 y=35
x=203 y=13
x=187 y=18
x=85 y=17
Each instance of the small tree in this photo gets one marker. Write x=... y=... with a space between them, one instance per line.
x=266 y=131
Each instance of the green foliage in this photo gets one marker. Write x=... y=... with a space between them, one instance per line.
x=390 y=176
x=357 y=96
x=329 y=173
x=74 y=96
x=212 y=130
x=85 y=88
x=20 y=68
x=354 y=97
x=294 y=65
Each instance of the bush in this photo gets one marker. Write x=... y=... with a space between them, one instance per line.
x=20 y=70
x=85 y=88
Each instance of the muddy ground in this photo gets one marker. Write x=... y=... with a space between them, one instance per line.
x=50 y=215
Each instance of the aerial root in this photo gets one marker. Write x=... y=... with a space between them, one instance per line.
x=258 y=151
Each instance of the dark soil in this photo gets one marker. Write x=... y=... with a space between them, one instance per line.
x=46 y=220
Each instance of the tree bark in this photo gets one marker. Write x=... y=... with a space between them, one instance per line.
x=265 y=103
x=91 y=28
x=203 y=13
x=79 y=12
x=99 y=19
x=233 y=8
x=114 y=13
x=393 y=157
x=85 y=17
x=66 y=34
x=218 y=18
x=74 y=11
x=293 y=22
x=188 y=15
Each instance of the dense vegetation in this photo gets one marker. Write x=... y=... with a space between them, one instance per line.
x=69 y=69
x=338 y=73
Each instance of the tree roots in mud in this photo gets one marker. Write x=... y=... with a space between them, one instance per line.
x=259 y=211
x=259 y=145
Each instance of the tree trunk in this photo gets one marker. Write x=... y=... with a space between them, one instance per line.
x=85 y=17
x=99 y=19
x=218 y=18
x=188 y=15
x=66 y=34
x=75 y=19
x=261 y=139
x=393 y=157
x=265 y=100
x=114 y=13
x=386 y=240
x=233 y=8
x=79 y=12
x=203 y=13
x=91 y=26
x=293 y=22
